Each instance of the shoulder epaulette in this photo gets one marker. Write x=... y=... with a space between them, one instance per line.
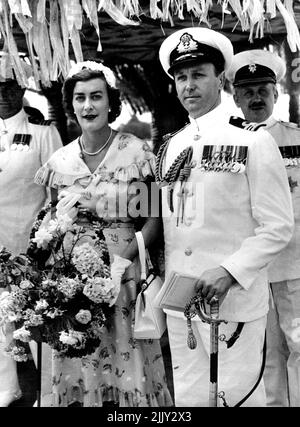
x=289 y=125
x=36 y=121
x=244 y=124
x=167 y=136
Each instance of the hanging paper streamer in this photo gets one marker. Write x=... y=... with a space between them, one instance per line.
x=155 y=11
x=33 y=61
x=293 y=36
x=65 y=37
x=73 y=15
x=42 y=48
x=19 y=6
x=41 y=11
x=271 y=8
x=90 y=8
x=116 y=14
x=52 y=28
x=56 y=42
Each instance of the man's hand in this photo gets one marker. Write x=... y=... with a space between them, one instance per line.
x=214 y=283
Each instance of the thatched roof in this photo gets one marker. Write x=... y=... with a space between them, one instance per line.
x=51 y=32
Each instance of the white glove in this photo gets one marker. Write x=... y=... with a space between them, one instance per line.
x=66 y=204
x=117 y=269
x=87 y=202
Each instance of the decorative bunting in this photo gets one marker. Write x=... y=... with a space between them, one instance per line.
x=49 y=25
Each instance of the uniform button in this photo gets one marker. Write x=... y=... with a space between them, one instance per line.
x=188 y=251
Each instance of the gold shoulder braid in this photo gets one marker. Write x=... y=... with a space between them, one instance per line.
x=179 y=170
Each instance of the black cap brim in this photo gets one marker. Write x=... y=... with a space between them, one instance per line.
x=246 y=82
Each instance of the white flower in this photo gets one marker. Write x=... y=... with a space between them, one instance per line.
x=53 y=226
x=73 y=338
x=41 y=305
x=83 y=316
x=69 y=287
x=42 y=238
x=32 y=319
x=60 y=225
x=22 y=334
x=47 y=283
x=65 y=223
x=17 y=353
x=54 y=313
x=99 y=289
x=94 y=66
x=25 y=284
x=11 y=304
x=87 y=260
x=4 y=296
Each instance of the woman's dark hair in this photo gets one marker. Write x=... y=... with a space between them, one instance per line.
x=83 y=76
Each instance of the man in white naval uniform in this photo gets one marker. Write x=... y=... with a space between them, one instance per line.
x=254 y=75
x=24 y=147
x=232 y=218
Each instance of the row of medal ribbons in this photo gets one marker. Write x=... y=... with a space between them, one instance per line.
x=20 y=142
x=290 y=155
x=224 y=158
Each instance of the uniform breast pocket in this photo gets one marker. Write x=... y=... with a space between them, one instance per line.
x=24 y=163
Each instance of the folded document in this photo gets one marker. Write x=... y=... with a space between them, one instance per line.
x=176 y=292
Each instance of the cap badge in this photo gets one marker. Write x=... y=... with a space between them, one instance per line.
x=252 y=68
x=187 y=44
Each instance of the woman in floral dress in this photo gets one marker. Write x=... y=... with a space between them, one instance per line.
x=96 y=177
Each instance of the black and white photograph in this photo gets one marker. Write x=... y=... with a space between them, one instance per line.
x=149 y=206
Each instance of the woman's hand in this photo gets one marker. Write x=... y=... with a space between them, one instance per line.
x=87 y=202
x=117 y=269
x=66 y=204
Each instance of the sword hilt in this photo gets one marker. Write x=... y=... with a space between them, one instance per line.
x=213 y=317
x=214 y=309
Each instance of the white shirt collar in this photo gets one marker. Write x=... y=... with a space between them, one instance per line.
x=216 y=116
x=12 y=122
x=269 y=122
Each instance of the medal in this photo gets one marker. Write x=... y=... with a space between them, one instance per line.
x=235 y=168
x=243 y=168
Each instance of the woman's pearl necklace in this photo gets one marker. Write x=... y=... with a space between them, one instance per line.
x=100 y=149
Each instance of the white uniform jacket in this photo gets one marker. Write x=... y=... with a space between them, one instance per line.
x=238 y=220
x=25 y=147
x=286 y=265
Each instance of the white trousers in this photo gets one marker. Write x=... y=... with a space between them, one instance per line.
x=282 y=373
x=239 y=365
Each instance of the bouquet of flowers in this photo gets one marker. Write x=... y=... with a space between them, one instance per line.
x=61 y=292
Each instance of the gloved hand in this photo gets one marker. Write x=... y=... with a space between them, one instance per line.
x=87 y=202
x=117 y=269
x=66 y=204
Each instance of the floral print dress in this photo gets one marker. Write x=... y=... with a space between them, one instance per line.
x=123 y=370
